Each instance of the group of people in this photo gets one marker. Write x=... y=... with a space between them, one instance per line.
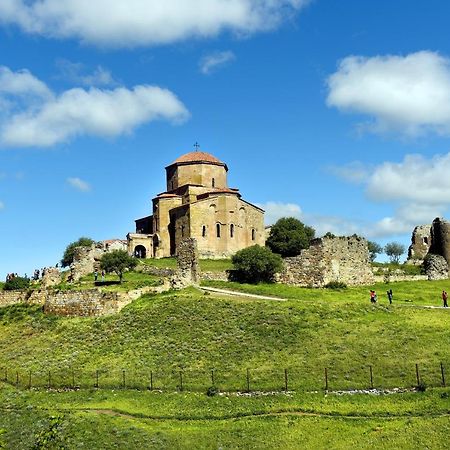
x=11 y=276
x=390 y=295
x=374 y=296
x=96 y=276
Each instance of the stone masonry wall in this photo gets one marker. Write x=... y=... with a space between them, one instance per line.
x=343 y=259
x=86 y=303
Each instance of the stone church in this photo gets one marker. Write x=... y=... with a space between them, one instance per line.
x=199 y=204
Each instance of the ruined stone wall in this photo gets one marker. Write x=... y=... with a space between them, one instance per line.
x=420 y=244
x=440 y=238
x=343 y=259
x=188 y=269
x=88 y=303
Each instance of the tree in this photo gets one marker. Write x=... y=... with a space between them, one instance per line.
x=255 y=264
x=289 y=236
x=374 y=250
x=394 y=250
x=117 y=261
x=67 y=258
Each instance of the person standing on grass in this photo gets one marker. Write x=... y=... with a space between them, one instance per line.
x=390 y=295
x=373 y=297
x=95 y=276
x=445 y=298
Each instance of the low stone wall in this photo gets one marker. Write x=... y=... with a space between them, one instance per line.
x=88 y=303
x=394 y=278
x=343 y=259
x=156 y=271
x=214 y=276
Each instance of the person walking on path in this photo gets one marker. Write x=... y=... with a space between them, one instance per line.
x=95 y=276
x=103 y=275
x=445 y=298
x=390 y=295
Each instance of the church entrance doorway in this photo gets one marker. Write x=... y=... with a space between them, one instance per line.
x=140 y=252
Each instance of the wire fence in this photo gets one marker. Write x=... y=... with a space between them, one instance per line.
x=244 y=380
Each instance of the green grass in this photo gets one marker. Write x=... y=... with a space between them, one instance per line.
x=207 y=265
x=160 y=336
x=131 y=280
x=195 y=333
x=405 y=292
x=136 y=420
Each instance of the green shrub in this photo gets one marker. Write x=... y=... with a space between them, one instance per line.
x=67 y=258
x=255 y=264
x=17 y=283
x=336 y=285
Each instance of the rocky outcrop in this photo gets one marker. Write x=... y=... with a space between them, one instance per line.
x=436 y=267
x=51 y=277
x=343 y=259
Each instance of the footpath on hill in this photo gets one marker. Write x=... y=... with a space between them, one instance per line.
x=242 y=294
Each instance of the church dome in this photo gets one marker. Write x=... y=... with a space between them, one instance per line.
x=197 y=157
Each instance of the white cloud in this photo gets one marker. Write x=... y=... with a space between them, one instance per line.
x=76 y=73
x=2 y=205
x=354 y=172
x=214 y=61
x=127 y=23
x=21 y=83
x=79 y=184
x=277 y=210
x=417 y=187
x=407 y=94
x=93 y=112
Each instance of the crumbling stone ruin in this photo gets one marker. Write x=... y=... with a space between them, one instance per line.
x=86 y=260
x=50 y=277
x=188 y=269
x=328 y=259
x=430 y=246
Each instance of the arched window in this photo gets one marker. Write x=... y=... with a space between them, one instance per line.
x=203 y=231
x=213 y=182
x=253 y=234
x=218 y=230
x=231 y=230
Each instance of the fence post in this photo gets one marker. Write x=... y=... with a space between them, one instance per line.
x=443 y=375
x=285 y=380
x=417 y=374
x=123 y=378
x=212 y=378
x=73 y=379
x=326 y=379
x=49 y=379
x=151 y=380
x=181 y=380
x=248 y=380
x=29 y=379
x=17 y=379
x=371 y=377
x=96 y=379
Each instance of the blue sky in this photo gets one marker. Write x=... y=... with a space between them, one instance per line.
x=335 y=112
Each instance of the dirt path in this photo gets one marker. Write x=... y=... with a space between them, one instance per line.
x=241 y=294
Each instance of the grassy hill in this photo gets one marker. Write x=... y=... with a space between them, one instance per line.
x=159 y=336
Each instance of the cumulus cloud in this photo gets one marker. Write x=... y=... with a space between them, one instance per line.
x=93 y=112
x=277 y=210
x=79 y=184
x=76 y=73
x=417 y=187
x=354 y=172
x=144 y=22
x=406 y=94
x=21 y=83
x=214 y=61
